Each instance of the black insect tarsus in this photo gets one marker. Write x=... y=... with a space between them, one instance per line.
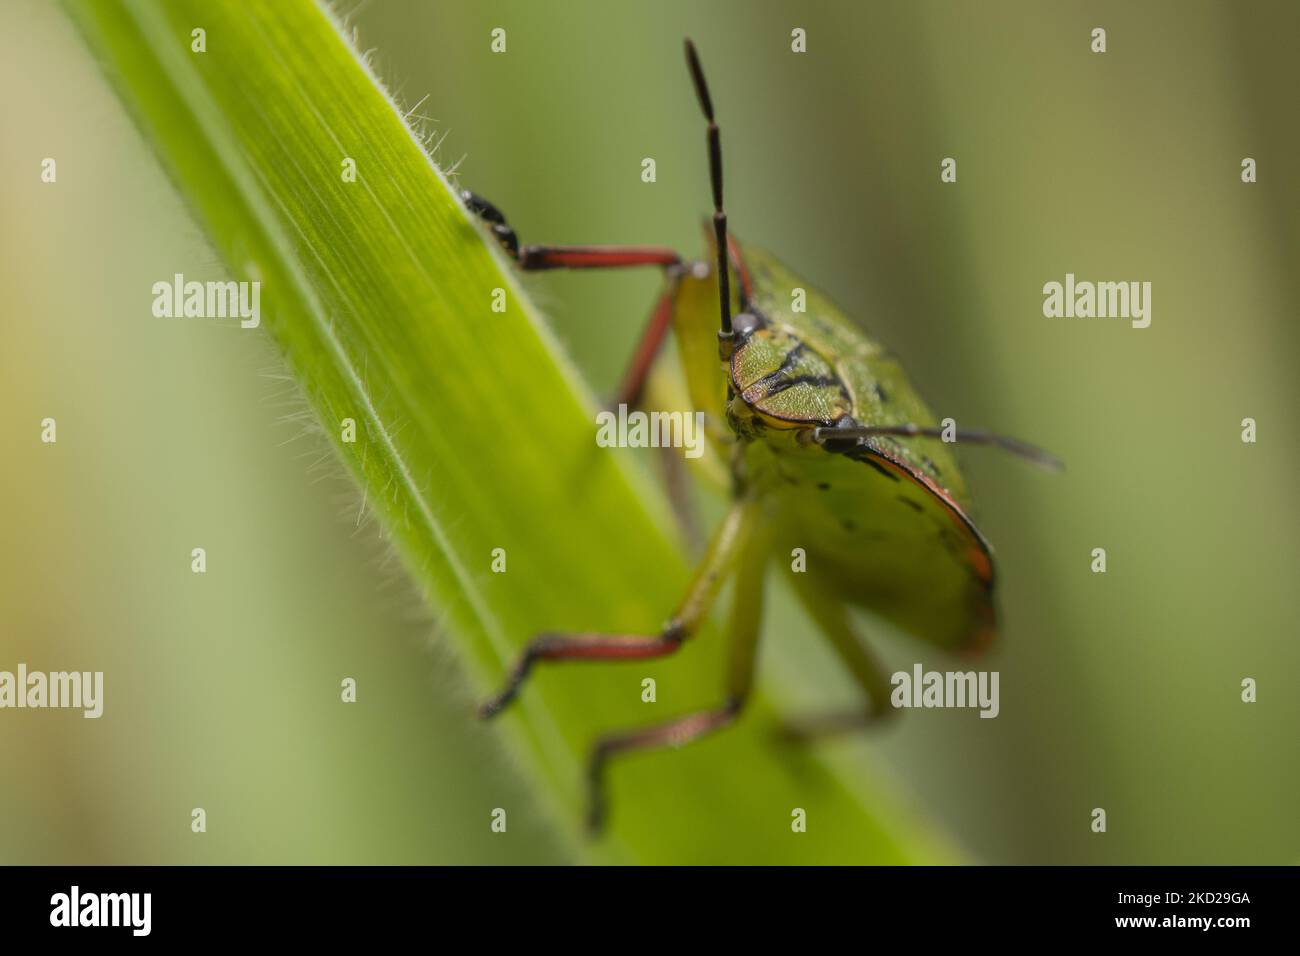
x=480 y=207
x=494 y=217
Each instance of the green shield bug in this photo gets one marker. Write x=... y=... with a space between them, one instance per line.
x=831 y=450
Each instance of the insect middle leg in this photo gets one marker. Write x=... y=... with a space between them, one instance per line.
x=742 y=642
x=719 y=561
x=832 y=617
x=533 y=258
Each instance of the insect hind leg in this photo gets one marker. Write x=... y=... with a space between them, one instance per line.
x=832 y=617
x=672 y=733
x=718 y=563
x=742 y=646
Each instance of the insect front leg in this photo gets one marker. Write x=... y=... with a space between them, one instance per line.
x=742 y=643
x=718 y=563
x=535 y=258
x=647 y=347
x=832 y=617
x=541 y=257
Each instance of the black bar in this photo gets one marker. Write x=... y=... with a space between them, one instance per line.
x=454 y=907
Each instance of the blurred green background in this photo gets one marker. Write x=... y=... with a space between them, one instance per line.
x=1118 y=690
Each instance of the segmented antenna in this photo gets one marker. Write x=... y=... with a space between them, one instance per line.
x=1029 y=452
x=715 y=175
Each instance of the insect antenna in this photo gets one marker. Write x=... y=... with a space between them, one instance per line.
x=725 y=334
x=1023 y=449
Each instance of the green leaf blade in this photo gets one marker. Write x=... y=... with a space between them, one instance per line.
x=474 y=432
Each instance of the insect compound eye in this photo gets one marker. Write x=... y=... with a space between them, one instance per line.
x=745 y=323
